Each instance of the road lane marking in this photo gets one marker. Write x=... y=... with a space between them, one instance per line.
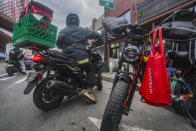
x=7 y=78
x=3 y=74
x=122 y=127
x=20 y=80
x=95 y=121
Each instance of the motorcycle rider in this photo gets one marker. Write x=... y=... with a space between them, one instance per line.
x=72 y=40
x=18 y=55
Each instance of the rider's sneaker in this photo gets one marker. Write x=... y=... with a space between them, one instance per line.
x=90 y=95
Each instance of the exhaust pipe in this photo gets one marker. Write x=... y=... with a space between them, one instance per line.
x=62 y=87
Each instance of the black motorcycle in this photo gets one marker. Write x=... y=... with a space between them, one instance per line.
x=121 y=98
x=57 y=75
x=125 y=82
x=14 y=66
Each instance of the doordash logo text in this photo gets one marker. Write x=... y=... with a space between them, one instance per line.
x=150 y=79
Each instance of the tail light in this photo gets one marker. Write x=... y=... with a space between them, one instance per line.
x=37 y=58
x=40 y=77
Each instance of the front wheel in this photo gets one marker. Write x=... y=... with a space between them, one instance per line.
x=43 y=101
x=114 y=108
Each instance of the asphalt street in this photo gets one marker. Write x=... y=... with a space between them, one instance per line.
x=18 y=112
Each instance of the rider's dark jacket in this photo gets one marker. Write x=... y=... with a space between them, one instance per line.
x=72 y=40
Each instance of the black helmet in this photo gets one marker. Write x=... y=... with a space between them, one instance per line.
x=73 y=19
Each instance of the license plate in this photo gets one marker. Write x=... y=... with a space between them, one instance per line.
x=31 y=76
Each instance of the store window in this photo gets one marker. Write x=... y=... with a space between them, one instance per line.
x=115 y=51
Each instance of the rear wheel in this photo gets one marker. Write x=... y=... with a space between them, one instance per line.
x=114 y=108
x=99 y=83
x=43 y=100
x=10 y=72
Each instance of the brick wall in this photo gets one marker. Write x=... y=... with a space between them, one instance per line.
x=122 y=6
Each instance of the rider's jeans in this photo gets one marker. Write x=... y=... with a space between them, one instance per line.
x=22 y=66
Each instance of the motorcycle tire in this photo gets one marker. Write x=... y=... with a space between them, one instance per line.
x=114 y=109
x=99 y=83
x=39 y=101
x=176 y=105
x=10 y=73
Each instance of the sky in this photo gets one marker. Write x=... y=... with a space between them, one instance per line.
x=86 y=10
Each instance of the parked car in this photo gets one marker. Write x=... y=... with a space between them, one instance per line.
x=28 y=61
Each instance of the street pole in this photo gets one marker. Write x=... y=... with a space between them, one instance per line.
x=106 y=44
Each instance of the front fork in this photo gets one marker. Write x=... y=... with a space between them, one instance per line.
x=127 y=76
x=127 y=106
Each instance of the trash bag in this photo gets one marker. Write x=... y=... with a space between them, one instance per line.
x=179 y=30
x=115 y=26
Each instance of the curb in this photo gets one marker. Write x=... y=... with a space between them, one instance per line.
x=107 y=78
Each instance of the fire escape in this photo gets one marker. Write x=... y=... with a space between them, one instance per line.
x=9 y=14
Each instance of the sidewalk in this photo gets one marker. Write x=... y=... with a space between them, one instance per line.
x=108 y=76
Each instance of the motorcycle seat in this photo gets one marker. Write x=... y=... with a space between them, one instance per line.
x=60 y=55
x=60 y=61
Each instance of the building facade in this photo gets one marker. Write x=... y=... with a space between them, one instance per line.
x=97 y=26
x=13 y=8
x=152 y=12
x=123 y=9
x=148 y=14
x=126 y=9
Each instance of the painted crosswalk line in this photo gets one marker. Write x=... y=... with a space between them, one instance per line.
x=3 y=74
x=122 y=127
x=7 y=78
x=19 y=81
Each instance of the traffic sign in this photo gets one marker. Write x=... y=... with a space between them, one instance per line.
x=107 y=3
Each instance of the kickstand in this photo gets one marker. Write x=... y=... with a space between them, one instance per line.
x=193 y=122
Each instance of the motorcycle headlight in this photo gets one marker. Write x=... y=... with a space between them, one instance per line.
x=131 y=53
